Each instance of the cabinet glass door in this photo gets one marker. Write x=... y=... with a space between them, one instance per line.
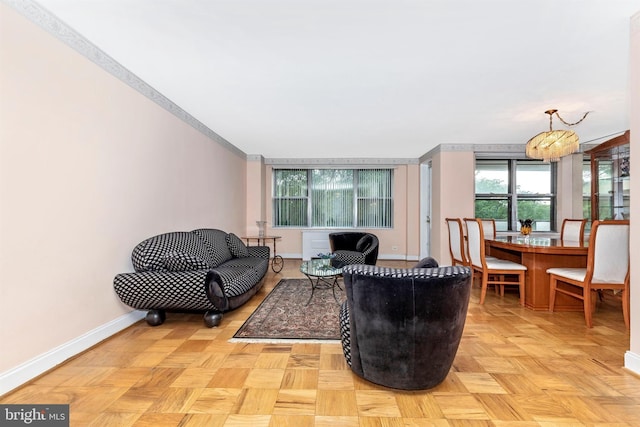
x=613 y=184
x=610 y=184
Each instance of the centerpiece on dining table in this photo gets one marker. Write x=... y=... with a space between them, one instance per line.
x=525 y=226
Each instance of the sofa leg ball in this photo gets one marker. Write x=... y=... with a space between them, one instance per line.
x=212 y=318
x=155 y=317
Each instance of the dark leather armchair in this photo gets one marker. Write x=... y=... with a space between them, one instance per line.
x=351 y=247
x=401 y=328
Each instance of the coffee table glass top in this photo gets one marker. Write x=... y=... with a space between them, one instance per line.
x=319 y=268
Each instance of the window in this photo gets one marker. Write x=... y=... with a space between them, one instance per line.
x=332 y=198
x=511 y=190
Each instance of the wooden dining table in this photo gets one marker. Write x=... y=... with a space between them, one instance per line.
x=538 y=254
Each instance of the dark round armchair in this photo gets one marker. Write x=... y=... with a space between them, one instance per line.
x=401 y=328
x=352 y=247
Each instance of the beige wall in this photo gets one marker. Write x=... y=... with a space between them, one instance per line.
x=452 y=196
x=632 y=360
x=88 y=168
x=412 y=204
x=256 y=197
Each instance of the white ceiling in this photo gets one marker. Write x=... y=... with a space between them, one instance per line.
x=372 y=78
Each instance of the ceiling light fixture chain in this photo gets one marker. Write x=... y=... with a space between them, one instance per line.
x=563 y=121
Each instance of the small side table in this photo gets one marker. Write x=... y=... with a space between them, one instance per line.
x=325 y=275
x=277 y=262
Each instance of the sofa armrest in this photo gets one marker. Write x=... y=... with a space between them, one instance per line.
x=214 y=288
x=163 y=290
x=235 y=281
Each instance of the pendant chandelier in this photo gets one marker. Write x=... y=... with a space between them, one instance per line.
x=550 y=146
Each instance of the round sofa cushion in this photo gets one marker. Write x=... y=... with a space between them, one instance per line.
x=216 y=243
x=149 y=255
x=236 y=246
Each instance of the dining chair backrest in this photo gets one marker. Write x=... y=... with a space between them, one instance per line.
x=456 y=241
x=608 y=259
x=493 y=271
x=573 y=230
x=489 y=228
x=475 y=241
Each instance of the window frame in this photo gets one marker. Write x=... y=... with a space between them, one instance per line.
x=357 y=198
x=512 y=196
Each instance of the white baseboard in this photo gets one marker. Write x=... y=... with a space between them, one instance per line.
x=400 y=257
x=632 y=362
x=27 y=371
x=397 y=257
x=287 y=256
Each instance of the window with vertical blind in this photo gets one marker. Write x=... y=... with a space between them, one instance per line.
x=333 y=198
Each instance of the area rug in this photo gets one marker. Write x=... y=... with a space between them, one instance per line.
x=284 y=315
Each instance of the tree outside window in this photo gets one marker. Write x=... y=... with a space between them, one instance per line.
x=333 y=198
x=512 y=190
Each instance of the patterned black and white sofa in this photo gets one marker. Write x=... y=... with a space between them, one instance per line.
x=201 y=270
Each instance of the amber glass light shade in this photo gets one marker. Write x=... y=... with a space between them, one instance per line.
x=551 y=145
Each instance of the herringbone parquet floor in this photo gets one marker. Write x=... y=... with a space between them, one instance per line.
x=514 y=367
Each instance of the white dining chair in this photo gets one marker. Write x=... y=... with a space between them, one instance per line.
x=607 y=269
x=489 y=228
x=456 y=242
x=494 y=271
x=573 y=230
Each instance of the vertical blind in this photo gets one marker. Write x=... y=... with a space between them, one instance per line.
x=374 y=197
x=333 y=198
x=290 y=197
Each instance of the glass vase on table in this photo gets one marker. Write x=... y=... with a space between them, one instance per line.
x=262 y=225
x=525 y=228
x=326 y=259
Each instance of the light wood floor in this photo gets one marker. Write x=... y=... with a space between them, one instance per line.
x=514 y=367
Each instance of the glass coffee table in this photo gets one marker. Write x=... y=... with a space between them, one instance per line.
x=322 y=275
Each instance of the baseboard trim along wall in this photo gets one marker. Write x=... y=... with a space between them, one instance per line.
x=29 y=370
x=632 y=362
x=395 y=257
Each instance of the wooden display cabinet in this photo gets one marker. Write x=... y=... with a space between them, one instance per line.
x=610 y=184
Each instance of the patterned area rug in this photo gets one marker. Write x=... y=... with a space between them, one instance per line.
x=284 y=315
